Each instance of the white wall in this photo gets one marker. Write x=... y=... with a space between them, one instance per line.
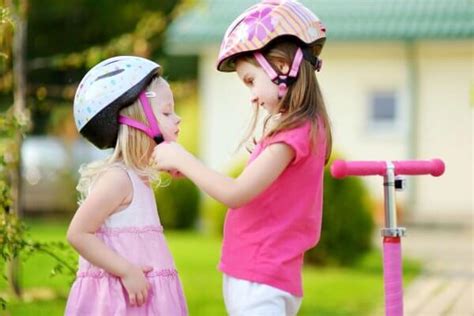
x=446 y=80
x=226 y=111
x=350 y=72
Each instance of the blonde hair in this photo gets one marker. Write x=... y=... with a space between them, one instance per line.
x=302 y=102
x=132 y=149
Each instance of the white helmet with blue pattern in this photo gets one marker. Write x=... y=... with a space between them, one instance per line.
x=107 y=88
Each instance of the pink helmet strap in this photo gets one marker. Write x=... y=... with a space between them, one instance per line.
x=152 y=130
x=283 y=81
x=265 y=65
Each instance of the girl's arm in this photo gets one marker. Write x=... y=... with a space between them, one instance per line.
x=111 y=191
x=234 y=193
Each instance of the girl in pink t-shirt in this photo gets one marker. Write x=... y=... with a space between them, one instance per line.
x=275 y=205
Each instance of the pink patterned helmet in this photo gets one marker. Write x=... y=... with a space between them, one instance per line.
x=266 y=21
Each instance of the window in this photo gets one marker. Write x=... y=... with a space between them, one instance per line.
x=383 y=111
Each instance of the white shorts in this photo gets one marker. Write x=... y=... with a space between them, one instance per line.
x=245 y=298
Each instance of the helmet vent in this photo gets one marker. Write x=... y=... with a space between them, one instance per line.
x=111 y=62
x=110 y=74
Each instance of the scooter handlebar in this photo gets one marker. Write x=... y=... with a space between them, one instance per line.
x=342 y=168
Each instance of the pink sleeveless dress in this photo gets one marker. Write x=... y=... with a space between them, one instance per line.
x=136 y=234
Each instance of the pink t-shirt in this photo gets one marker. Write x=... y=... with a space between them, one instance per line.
x=264 y=241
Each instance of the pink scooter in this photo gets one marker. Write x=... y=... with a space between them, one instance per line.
x=391 y=233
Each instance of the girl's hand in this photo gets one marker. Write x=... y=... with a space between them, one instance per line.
x=136 y=284
x=167 y=156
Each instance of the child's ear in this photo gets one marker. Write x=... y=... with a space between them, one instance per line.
x=283 y=67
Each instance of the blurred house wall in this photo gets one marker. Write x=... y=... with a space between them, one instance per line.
x=446 y=73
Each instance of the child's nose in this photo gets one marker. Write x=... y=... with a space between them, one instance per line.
x=253 y=99
x=178 y=120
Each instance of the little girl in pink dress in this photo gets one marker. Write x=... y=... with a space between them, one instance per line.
x=136 y=234
x=125 y=266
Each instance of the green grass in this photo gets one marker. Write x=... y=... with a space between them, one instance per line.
x=329 y=291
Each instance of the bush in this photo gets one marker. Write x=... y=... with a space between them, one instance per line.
x=178 y=204
x=347 y=222
x=213 y=211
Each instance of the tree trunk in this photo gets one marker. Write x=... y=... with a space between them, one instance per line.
x=19 y=14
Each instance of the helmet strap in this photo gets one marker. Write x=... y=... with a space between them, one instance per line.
x=313 y=60
x=152 y=130
x=283 y=81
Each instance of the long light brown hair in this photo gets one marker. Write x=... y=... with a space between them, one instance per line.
x=302 y=102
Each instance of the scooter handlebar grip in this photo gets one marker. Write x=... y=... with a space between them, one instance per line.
x=342 y=168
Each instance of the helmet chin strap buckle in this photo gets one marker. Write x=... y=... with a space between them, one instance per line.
x=158 y=139
x=282 y=88
x=283 y=81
